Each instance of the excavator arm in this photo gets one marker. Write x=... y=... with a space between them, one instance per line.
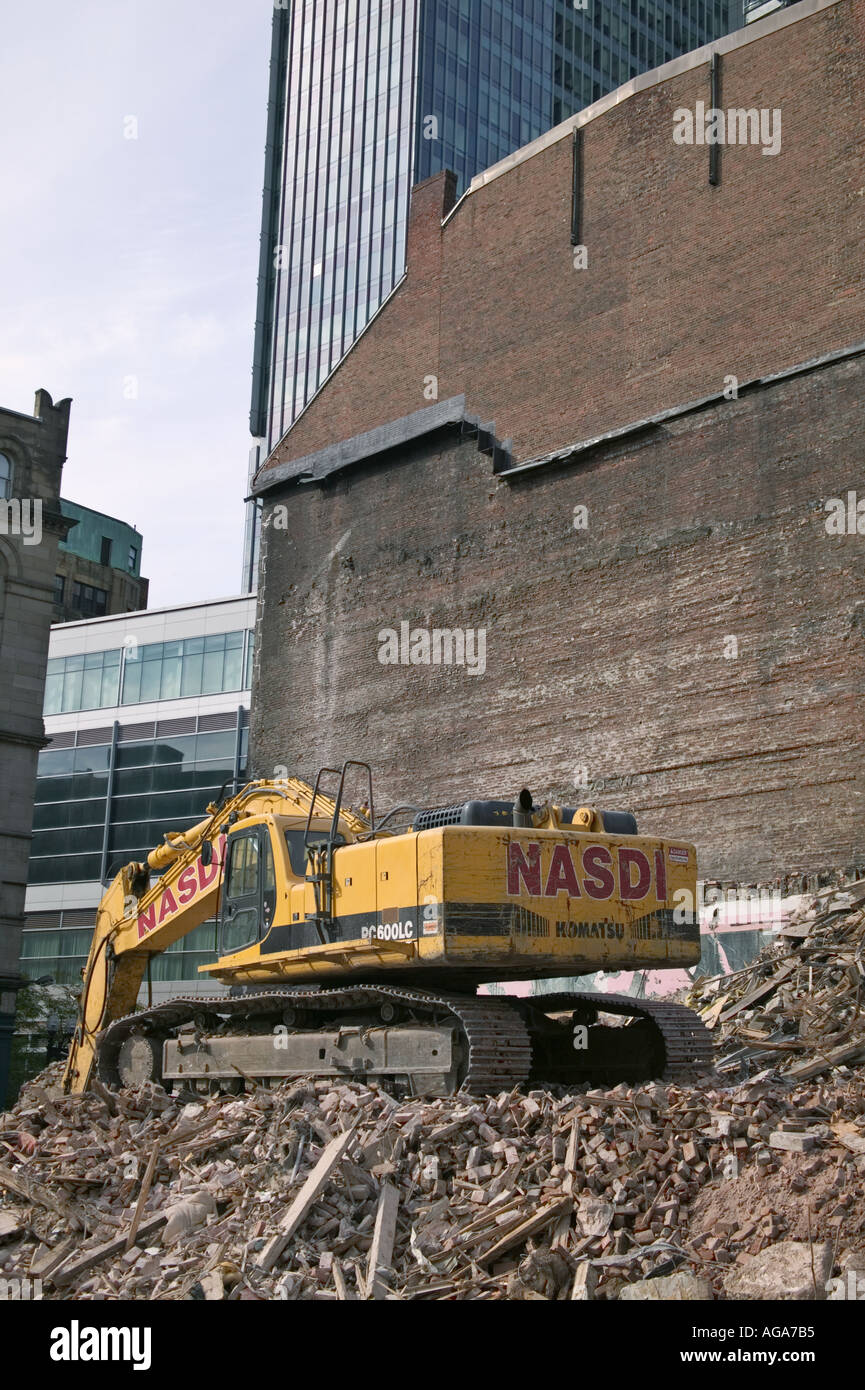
x=137 y=919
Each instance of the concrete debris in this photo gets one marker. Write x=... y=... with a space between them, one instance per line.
x=337 y=1191
x=681 y=1288
x=186 y=1215
x=792 y=1269
x=11 y=1224
x=799 y=1004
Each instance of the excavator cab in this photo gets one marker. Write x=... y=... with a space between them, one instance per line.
x=278 y=859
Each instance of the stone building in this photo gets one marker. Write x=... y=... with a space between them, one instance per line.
x=608 y=428
x=98 y=567
x=32 y=454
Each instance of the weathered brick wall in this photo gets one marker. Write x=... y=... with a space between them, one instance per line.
x=606 y=646
x=686 y=282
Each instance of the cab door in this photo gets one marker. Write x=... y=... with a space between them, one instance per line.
x=249 y=894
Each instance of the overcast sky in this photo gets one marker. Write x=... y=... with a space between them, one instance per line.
x=138 y=258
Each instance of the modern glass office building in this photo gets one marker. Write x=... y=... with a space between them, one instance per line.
x=367 y=98
x=147 y=717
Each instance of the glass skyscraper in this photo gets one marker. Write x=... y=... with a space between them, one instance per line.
x=367 y=98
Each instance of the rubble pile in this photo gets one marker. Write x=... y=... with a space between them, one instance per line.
x=323 y=1190
x=800 y=1005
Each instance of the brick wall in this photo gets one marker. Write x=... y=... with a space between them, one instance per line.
x=686 y=283
x=605 y=647
x=609 y=649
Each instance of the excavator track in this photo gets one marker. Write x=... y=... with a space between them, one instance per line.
x=496 y=1040
x=499 y=1036
x=687 y=1042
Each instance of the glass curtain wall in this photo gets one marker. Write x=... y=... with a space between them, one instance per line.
x=344 y=186
x=606 y=44
x=485 y=73
x=158 y=785
x=158 y=671
x=62 y=953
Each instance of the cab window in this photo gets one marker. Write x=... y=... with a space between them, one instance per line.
x=243 y=871
x=297 y=851
x=268 y=875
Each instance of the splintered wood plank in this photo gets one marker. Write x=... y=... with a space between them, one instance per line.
x=585 y=1282
x=525 y=1229
x=571 y=1162
x=24 y=1186
x=761 y=992
x=803 y=1071
x=69 y=1271
x=342 y=1292
x=306 y=1197
x=46 y=1261
x=711 y=1016
x=384 y=1234
x=142 y=1196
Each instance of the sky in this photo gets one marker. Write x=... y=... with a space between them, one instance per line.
x=131 y=166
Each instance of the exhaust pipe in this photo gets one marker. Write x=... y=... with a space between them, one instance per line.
x=523 y=808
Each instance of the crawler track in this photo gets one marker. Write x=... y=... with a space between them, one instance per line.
x=496 y=1033
x=687 y=1042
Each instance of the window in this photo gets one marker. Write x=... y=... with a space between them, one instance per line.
x=90 y=602
x=188 y=666
x=82 y=682
x=296 y=842
x=60 y=953
x=157 y=671
x=243 y=875
x=5 y=476
x=133 y=559
x=105 y=555
x=59 y=588
x=180 y=960
x=241 y=907
x=297 y=851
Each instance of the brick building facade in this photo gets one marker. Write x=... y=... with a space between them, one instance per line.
x=32 y=451
x=615 y=462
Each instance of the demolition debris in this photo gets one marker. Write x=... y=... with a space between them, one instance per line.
x=800 y=1006
x=322 y=1191
x=747 y=1184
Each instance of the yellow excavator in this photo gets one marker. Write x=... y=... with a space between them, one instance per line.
x=354 y=947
